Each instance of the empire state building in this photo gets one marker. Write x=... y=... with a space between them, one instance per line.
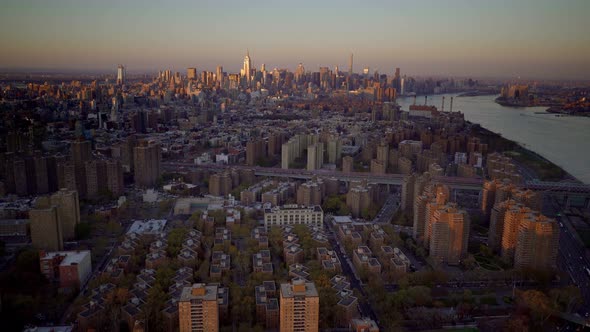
x=246 y=72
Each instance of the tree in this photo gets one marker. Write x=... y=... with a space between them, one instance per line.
x=83 y=230
x=175 y=239
x=538 y=303
x=566 y=298
x=469 y=262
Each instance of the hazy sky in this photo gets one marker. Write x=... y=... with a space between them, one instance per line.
x=508 y=38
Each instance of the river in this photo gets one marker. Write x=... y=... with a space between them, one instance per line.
x=565 y=141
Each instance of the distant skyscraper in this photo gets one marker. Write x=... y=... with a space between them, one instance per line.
x=191 y=73
x=121 y=75
x=247 y=65
x=219 y=74
x=350 y=65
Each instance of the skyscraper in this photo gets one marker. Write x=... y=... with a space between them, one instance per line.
x=121 y=73
x=299 y=307
x=247 y=65
x=191 y=73
x=219 y=75
x=350 y=66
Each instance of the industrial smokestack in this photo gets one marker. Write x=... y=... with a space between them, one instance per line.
x=414 y=99
x=443 y=104
x=451 y=105
x=425 y=100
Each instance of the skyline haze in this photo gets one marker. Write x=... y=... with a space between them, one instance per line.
x=530 y=39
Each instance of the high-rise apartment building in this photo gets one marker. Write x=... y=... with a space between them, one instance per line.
x=299 y=307
x=146 y=159
x=450 y=234
x=114 y=172
x=68 y=210
x=315 y=156
x=220 y=184
x=407 y=199
x=81 y=152
x=358 y=199
x=347 y=164
x=255 y=150
x=198 y=310
x=45 y=228
x=538 y=244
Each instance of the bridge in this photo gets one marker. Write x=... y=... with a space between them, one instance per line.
x=302 y=174
x=388 y=179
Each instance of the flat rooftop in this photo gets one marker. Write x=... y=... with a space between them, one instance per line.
x=152 y=226
x=290 y=290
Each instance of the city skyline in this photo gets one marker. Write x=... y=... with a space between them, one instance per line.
x=533 y=39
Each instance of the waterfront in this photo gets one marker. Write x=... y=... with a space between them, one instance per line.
x=562 y=140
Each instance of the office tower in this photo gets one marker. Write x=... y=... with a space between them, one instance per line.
x=315 y=156
x=198 y=310
x=45 y=228
x=450 y=234
x=191 y=73
x=146 y=159
x=537 y=244
x=219 y=74
x=347 y=164
x=246 y=72
x=121 y=73
x=350 y=66
x=299 y=307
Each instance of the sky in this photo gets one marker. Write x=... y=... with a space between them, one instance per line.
x=501 y=38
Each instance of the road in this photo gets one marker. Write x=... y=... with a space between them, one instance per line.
x=388 y=210
x=347 y=269
x=394 y=179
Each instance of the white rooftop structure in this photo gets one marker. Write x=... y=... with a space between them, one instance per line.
x=148 y=227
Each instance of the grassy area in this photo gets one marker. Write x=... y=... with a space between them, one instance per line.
x=487 y=263
x=545 y=170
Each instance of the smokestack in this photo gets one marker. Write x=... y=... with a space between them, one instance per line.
x=425 y=100
x=443 y=104
x=414 y=99
x=451 y=105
